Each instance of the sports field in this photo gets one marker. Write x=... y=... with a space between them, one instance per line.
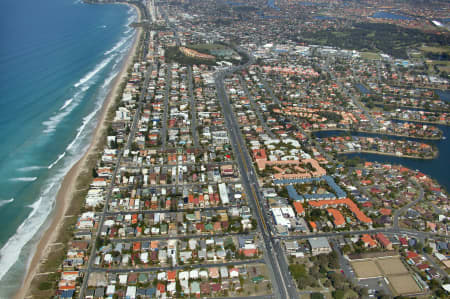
x=404 y=284
x=400 y=280
x=391 y=266
x=366 y=269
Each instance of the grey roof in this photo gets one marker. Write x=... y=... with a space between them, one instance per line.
x=99 y=292
x=320 y=242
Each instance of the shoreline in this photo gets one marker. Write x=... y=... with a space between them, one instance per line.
x=374 y=132
x=388 y=154
x=68 y=186
x=423 y=121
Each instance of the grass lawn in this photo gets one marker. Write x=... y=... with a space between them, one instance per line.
x=370 y=55
x=435 y=49
x=351 y=294
x=442 y=65
x=257 y=289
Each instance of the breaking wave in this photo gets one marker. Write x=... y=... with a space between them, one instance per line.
x=5 y=202
x=24 y=179
x=56 y=161
x=94 y=72
x=30 y=168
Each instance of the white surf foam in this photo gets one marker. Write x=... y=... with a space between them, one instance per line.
x=52 y=122
x=24 y=179
x=110 y=78
x=66 y=109
x=66 y=104
x=41 y=209
x=11 y=250
x=5 y=202
x=70 y=104
x=129 y=30
x=56 y=161
x=30 y=168
x=80 y=129
x=133 y=15
x=117 y=46
x=132 y=18
x=94 y=72
x=85 y=82
x=87 y=119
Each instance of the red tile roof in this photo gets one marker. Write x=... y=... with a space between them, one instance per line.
x=299 y=208
x=383 y=240
x=346 y=201
x=337 y=217
x=367 y=239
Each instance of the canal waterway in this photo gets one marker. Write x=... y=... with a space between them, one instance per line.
x=437 y=168
x=388 y=15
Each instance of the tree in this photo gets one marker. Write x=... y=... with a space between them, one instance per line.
x=428 y=249
x=45 y=285
x=337 y=280
x=301 y=284
x=418 y=246
x=346 y=249
x=178 y=287
x=314 y=271
x=338 y=294
x=363 y=292
x=317 y=296
x=333 y=261
x=134 y=147
x=315 y=214
x=434 y=284
x=99 y=243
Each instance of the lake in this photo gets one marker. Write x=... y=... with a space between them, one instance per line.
x=388 y=15
x=363 y=89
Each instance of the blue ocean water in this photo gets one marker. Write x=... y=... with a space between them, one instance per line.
x=58 y=59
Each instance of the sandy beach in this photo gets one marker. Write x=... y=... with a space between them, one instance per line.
x=67 y=189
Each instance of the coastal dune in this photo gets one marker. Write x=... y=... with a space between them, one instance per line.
x=68 y=186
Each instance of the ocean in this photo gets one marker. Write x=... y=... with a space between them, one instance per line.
x=58 y=59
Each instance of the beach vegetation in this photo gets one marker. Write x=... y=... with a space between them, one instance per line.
x=45 y=285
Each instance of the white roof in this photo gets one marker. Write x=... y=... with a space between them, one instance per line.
x=440 y=256
x=123 y=278
x=131 y=291
x=110 y=290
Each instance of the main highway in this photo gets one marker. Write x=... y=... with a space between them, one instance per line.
x=284 y=287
